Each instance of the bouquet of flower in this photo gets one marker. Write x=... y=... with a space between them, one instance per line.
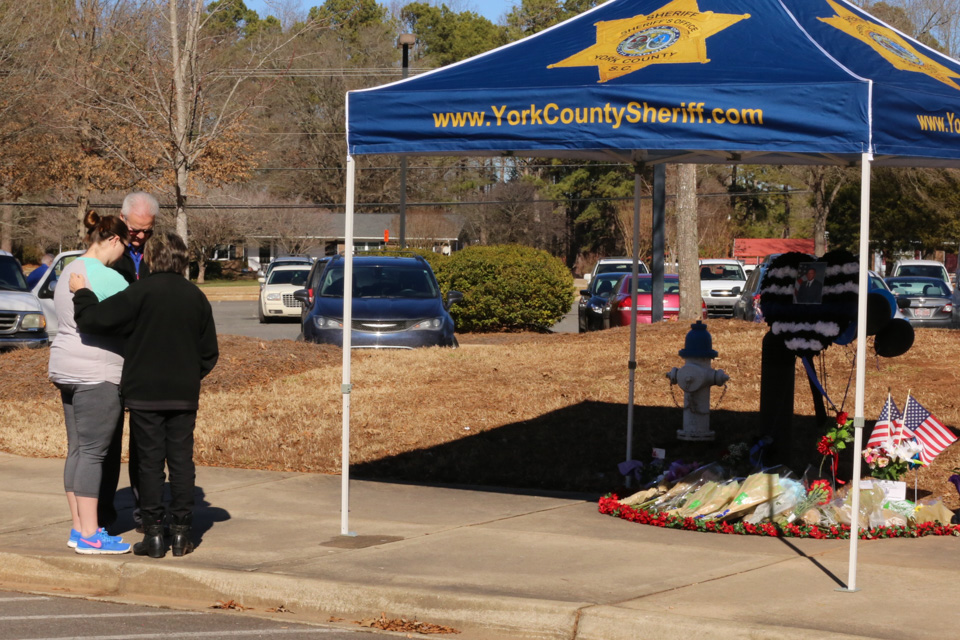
x=836 y=440
x=818 y=494
x=883 y=464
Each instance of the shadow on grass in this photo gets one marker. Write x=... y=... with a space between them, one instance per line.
x=577 y=448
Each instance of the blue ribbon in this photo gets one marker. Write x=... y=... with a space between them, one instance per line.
x=812 y=374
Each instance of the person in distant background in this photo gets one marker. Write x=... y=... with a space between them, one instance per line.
x=37 y=273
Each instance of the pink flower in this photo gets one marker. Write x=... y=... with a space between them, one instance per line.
x=883 y=461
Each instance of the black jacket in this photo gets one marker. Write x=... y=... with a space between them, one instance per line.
x=171 y=340
x=125 y=267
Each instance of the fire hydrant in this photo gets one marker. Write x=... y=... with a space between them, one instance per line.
x=695 y=378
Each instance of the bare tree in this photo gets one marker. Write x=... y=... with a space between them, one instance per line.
x=687 y=242
x=195 y=90
x=27 y=32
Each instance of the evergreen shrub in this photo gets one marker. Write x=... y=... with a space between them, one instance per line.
x=506 y=288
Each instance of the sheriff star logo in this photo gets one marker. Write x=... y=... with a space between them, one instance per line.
x=676 y=33
x=888 y=43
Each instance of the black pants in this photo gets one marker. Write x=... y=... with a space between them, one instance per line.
x=165 y=437
x=106 y=510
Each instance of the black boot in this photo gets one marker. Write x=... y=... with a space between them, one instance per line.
x=153 y=544
x=180 y=534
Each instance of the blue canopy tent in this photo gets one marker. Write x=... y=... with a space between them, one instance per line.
x=681 y=81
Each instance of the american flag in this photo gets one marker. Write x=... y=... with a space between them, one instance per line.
x=888 y=425
x=929 y=431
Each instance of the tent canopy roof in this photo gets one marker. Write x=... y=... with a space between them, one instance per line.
x=704 y=81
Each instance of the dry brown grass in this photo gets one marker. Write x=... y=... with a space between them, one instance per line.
x=519 y=410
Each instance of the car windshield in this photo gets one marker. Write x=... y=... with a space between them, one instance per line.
x=918 y=287
x=645 y=285
x=619 y=267
x=604 y=284
x=382 y=281
x=924 y=270
x=296 y=277
x=721 y=272
x=11 y=277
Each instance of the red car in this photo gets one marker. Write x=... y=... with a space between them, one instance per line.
x=620 y=303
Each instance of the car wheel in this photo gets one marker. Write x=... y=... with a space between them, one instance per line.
x=456 y=343
x=262 y=318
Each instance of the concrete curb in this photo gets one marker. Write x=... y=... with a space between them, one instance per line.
x=161 y=582
x=477 y=615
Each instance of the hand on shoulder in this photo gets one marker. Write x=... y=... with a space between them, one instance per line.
x=77 y=281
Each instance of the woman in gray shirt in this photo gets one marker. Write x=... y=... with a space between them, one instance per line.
x=86 y=369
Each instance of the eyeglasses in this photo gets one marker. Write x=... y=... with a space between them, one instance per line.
x=146 y=233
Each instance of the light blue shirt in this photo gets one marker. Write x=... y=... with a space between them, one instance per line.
x=103 y=280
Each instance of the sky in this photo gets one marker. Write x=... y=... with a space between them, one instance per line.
x=493 y=10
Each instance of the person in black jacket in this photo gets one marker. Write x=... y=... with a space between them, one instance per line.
x=139 y=211
x=171 y=344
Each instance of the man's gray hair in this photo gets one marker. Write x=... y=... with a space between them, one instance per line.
x=138 y=197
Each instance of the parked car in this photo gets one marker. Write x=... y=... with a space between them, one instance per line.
x=397 y=304
x=622 y=265
x=22 y=323
x=924 y=268
x=593 y=310
x=620 y=302
x=282 y=260
x=276 y=294
x=313 y=281
x=925 y=302
x=48 y=283
x=747 y=305
x=721 y=281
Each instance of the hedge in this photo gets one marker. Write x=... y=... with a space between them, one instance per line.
x=506 y=288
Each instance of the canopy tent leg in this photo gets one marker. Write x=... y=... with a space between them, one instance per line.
x=659 y=240
x=866 y=161
x=346 y=387
x=632 y=362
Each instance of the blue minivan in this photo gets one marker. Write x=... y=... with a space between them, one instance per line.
x=397 y=304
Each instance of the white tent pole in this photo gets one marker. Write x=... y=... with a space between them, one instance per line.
x=866 y=161
x=346 y=387
x=632 y=363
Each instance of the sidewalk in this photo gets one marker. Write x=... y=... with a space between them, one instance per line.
x=492 y=564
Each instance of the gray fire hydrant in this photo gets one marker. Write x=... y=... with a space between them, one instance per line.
x=695 y=378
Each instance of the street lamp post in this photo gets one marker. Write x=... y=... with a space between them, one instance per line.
x=404 y=42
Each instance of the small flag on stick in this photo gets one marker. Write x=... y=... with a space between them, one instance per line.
x=888 y=425
x=929 y=431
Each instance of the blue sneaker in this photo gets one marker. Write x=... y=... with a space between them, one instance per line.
x=101 y=543
x=75 y=535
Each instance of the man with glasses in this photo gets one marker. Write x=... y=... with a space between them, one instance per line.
x=139 y=211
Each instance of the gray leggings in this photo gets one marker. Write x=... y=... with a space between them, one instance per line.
x=93 y=413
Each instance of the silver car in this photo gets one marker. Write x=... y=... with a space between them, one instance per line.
x=721 y=281
x=925 y=302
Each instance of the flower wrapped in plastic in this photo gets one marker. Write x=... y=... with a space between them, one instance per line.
x=792 y=492
x=680 y=493
x=755 y=490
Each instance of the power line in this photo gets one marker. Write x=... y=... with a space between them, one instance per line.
x=340 y=205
